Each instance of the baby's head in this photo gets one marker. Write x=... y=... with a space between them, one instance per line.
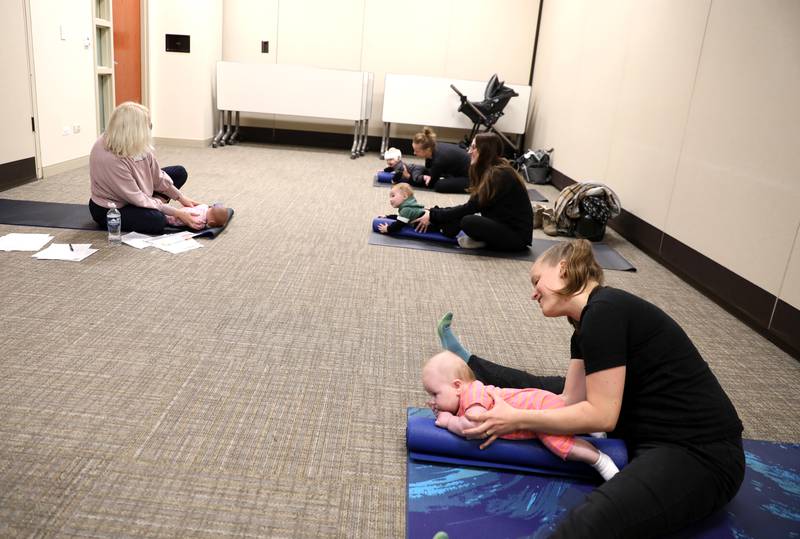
x=217 y=216
x=392 y=156
x=399 y=193
x=443 y=377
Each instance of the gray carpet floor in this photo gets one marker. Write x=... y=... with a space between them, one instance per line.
x=257 y=387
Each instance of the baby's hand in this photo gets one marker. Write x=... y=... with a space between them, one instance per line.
x=383 y=228
x=443 y=418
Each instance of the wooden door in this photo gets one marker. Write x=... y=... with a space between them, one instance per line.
x=127 y=50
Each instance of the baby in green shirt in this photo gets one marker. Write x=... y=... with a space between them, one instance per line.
x=401 y=197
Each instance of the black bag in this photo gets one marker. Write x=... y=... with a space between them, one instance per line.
x=534 y=166
x=591 y=224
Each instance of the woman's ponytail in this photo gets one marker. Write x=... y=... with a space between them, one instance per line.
x=425 y=139
x=580 y=266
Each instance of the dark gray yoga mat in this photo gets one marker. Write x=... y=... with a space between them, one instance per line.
x=607 y=257
x=533 y=194
x=62 y=215
x=46 y=214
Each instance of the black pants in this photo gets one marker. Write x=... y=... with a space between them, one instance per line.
x=497 y=236
x=136 y=219
x=450 y=184
x=663 y=489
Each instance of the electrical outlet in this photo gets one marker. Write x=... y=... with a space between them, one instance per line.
x=76 y=128
x=66 y=131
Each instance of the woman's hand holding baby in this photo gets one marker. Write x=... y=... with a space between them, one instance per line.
x=501 y=419
x=187 y=202
x=189 y=219
x=423 y=222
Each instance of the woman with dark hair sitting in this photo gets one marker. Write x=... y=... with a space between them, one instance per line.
x=446 y=164
x=498 y=214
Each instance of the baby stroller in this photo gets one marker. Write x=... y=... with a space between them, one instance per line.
x=486 y=113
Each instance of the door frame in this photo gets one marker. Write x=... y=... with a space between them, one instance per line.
x=144 y=17
x=37 y=146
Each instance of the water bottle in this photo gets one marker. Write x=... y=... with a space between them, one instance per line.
x=114 y=222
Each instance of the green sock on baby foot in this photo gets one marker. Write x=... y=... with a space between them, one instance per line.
x=449 y=341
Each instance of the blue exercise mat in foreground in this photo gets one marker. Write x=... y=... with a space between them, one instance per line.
x=427 y=442
x=384 y=179
x=73 y=216
x=478 y=502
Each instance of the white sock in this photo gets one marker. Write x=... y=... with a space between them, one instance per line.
x=605 y=466
x=469 y=243
x=598 y=435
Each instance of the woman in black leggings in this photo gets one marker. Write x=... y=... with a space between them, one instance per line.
x=635 y=374
x=498 y=195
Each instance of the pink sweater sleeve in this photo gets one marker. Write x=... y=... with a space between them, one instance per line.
x=163 y=183
x=124 y=181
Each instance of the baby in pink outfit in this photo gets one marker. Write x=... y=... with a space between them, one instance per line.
x=454 y=390
x=212 y=216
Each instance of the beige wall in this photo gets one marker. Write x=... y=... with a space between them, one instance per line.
x=445 y=38
x=182 y=85
x=16 y=137
x=64 y=71
x=689 y=110
x=245 y=24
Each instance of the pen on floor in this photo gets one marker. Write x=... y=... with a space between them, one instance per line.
x=70 y=247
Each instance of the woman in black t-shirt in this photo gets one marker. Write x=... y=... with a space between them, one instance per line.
x=635 y=374
x=497 y=193
x=446 y=165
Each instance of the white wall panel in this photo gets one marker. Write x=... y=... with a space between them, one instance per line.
x=321 y=33
x=62 y=36
x=393 y=44
x=491 y=37
x=737 y=189
x=664 y=39
x=182 y=85
x=597 y=87
x=560 y=60
x=245 y=24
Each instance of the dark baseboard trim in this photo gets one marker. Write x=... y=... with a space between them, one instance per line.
x=785 y=324
x=17 y=172
x=335 y=141
x=764 y=312
x=640 y=233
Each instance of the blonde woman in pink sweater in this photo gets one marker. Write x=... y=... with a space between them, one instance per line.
x=123 y=170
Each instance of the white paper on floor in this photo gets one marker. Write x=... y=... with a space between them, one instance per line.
x=24 y=242
x=74 y=252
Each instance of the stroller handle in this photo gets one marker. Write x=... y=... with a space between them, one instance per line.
x=462 y=96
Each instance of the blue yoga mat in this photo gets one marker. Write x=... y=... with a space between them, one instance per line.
x=409 y=231
x=427 y=442
x=478 y=502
